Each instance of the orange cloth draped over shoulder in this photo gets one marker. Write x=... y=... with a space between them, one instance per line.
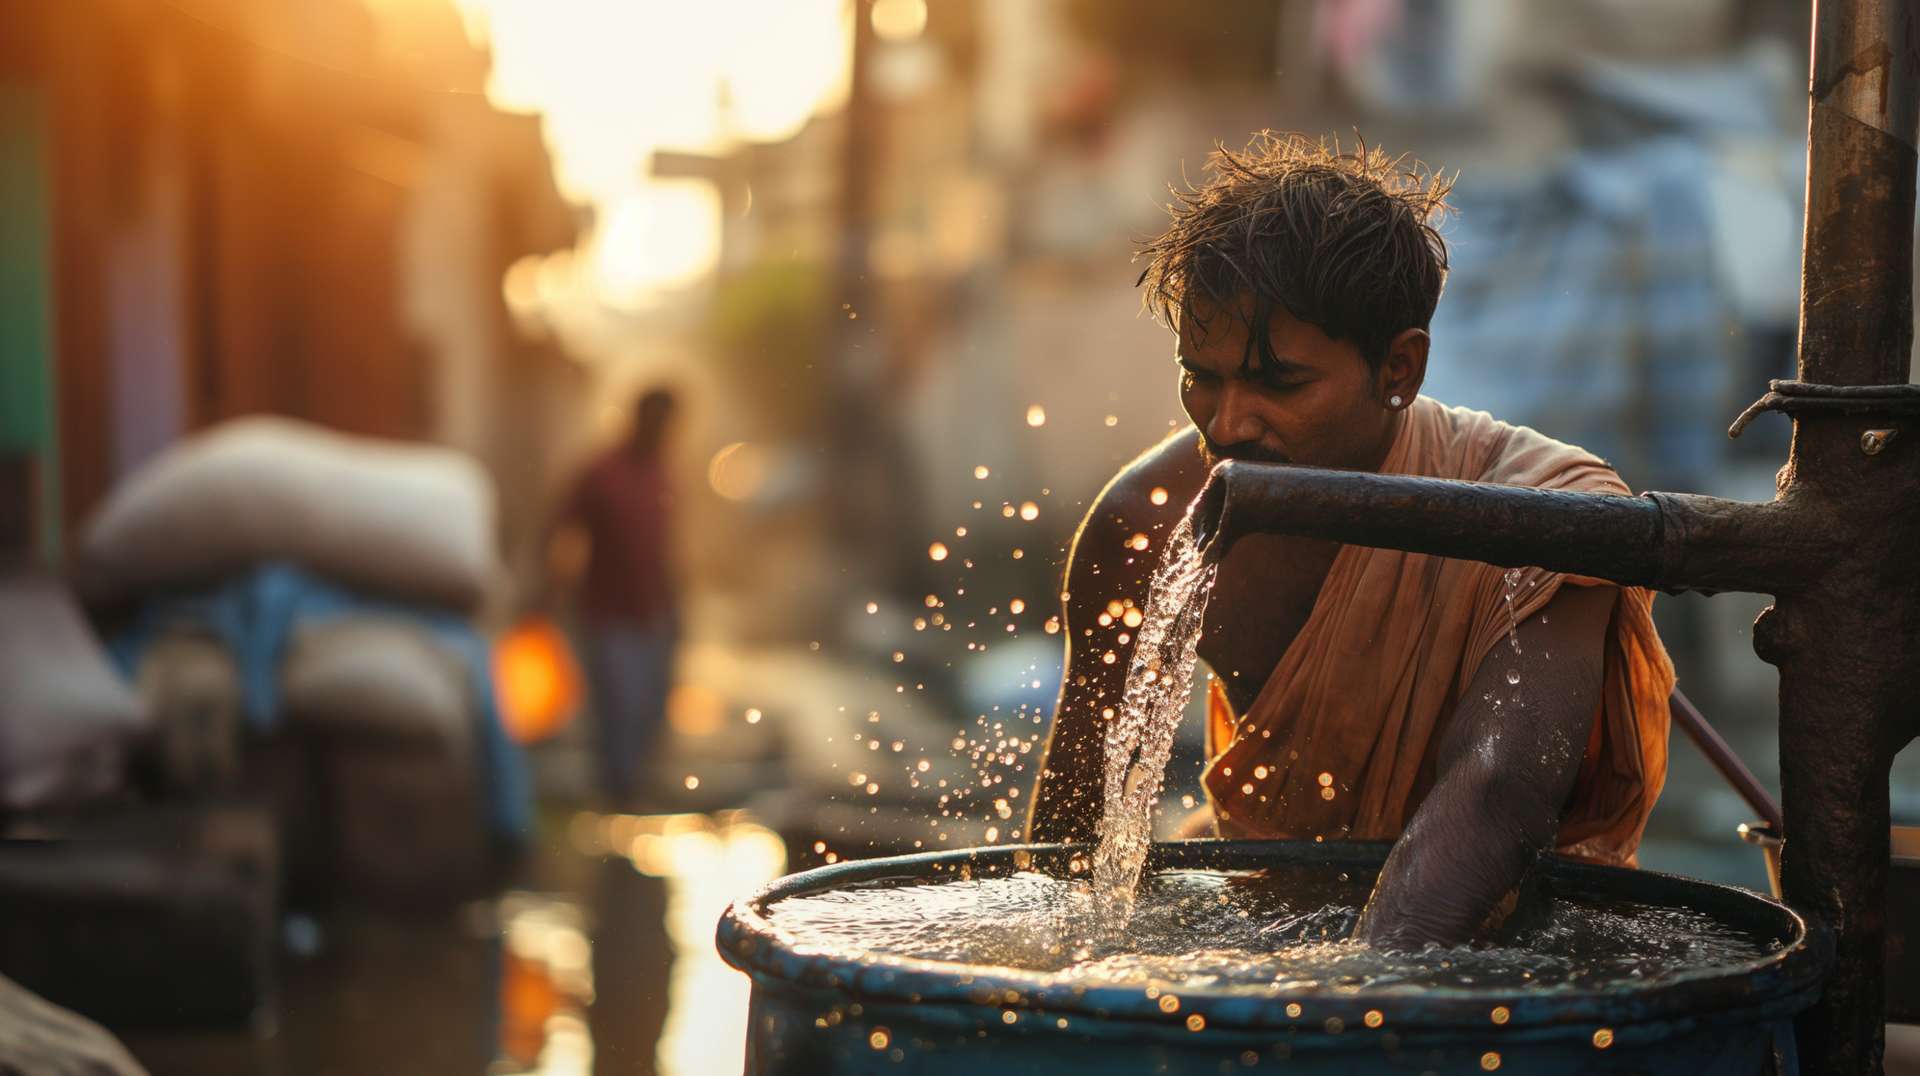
x=1366 y=689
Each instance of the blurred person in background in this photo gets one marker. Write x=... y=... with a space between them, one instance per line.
x=1478 y=718
x=621 y=510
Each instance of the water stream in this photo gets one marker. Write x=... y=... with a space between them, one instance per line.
x=1139 y=737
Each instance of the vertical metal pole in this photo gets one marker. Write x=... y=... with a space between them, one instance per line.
x=1856 y=273
x=1845 y=647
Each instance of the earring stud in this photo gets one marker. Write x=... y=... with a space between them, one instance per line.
x=1393 y=401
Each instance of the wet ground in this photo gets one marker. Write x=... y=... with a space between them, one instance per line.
x=602 y=962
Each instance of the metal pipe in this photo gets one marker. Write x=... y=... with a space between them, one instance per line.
x=1856 y=280
x=1670 y=541
x=1724 y=759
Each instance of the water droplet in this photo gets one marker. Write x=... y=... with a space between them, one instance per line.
x=1158 y=495
x=1326 y=780
x=1029 y=511
x=1293 y=1009
x=1017 y=606
x=1500 y=1014
x=1036 y=416
x=1603 y=1038
x=1112 y=420
x=1169 y=1003
x=753 y=716
x=1512 y=578
x=692 y=782
x=1490 y=1060
x=1196 y=1022
x=981 y=471
x=1375 y=1018
x=872 y=608
x=1513 y=676
x=937 y=551
x=879 y=1038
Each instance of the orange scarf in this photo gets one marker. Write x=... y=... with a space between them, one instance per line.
x=1362 y=695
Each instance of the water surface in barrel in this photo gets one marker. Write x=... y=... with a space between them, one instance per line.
x=1283 y=929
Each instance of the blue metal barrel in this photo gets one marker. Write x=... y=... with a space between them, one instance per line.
x=814 y=1013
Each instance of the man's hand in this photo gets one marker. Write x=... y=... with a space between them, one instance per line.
x=1507 y=763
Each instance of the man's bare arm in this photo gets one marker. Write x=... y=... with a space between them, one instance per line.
x=1506 y=766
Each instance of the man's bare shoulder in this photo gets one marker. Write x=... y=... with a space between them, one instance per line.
x=1146 y=496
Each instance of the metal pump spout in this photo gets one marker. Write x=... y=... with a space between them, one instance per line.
x=1668 y=541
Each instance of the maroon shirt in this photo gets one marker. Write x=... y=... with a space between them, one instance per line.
x=624 y=503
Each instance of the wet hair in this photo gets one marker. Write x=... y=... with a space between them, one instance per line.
x=1344 y=241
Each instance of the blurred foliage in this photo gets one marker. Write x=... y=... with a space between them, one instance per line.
x=1216 y=41
x=770 y=328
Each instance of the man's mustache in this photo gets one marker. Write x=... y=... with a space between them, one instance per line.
x=1251 y=451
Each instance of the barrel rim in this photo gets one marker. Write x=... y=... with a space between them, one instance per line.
x=1775 y=984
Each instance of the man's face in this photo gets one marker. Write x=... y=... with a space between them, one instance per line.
x=1317 y=406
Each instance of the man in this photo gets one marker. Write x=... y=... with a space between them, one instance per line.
x=629 y=615
x=1360 y=693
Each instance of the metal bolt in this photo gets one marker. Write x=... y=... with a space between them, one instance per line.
x=1873 y=442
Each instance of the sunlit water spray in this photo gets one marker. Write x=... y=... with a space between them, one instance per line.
x=1139 y=737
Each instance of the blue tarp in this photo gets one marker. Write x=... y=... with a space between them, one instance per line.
x=254 y=615
x=1614 y=298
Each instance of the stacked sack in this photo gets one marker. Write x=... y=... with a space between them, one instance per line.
x=67 y=721
x=301 y=624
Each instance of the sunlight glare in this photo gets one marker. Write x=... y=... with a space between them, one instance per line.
x=615 y=81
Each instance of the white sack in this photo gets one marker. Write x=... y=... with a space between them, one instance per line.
x=66 y=719
x=405 y=520
x=375 y=677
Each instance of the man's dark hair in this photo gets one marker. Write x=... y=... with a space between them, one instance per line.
x=1344 y=241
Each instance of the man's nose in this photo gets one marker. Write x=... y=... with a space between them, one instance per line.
x=1235 y=420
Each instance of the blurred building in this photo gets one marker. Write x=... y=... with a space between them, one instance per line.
x=219 y=207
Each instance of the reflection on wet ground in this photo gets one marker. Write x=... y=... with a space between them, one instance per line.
x=602 y=962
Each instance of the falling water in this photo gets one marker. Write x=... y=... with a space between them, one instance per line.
x=1140 y=735
x=1512 y=578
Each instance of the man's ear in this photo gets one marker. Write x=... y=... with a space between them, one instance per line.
x=1405 y=367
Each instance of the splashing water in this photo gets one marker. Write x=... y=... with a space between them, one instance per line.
x=1140 y=736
